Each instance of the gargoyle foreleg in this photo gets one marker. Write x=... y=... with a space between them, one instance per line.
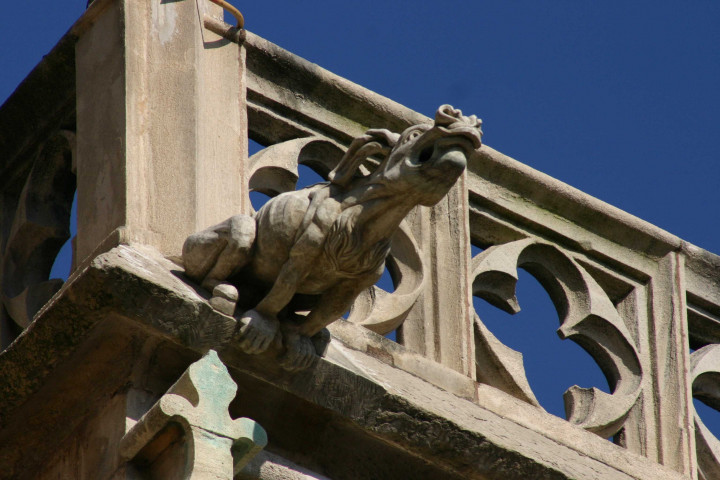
x=301 y=352
x=261 y=323
x=333 y=303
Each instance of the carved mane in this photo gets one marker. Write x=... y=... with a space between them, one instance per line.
x=344 y=249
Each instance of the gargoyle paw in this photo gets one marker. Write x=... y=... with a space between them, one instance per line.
x=300 y=352
x=320 y=341
x=224 y=296
x=258 y=331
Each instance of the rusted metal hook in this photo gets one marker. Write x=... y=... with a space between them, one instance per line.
x=233 y=11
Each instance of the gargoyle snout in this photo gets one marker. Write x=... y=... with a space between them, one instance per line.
x=436 y=163
x=450 y=154
x=446 y=149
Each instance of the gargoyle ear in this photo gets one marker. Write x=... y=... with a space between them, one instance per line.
x=373 y=142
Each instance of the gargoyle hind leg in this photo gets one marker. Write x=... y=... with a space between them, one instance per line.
x=301 y=350
x=214 y=254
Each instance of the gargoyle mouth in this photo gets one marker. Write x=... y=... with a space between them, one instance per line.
x=426 y=154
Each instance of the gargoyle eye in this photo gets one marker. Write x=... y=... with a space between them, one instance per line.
x=413 y=135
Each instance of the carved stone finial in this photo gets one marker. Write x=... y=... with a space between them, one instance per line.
x=318 y=248
x=198 y=402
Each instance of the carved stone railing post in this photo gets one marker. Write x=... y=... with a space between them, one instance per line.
x=161 y=124
x=194 y=413
x=671 y=360
x=440 y=326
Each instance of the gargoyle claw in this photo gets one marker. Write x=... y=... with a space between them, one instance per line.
x=320 y=341
x=300 y=352
x=258 y=331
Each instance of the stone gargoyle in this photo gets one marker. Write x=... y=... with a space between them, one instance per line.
x=316 y=249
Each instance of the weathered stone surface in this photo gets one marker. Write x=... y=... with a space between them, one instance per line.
x=159 y=143
x=267 y=466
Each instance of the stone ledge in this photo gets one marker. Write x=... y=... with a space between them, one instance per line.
x=131 y=296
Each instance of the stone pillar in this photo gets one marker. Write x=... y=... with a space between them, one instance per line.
x=671 y=367
x=440 y=325
x=161 y=125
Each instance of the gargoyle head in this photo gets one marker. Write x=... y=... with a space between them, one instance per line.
x=427 y=159
x=422 y=163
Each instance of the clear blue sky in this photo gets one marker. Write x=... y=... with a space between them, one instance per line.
x=618 y=99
